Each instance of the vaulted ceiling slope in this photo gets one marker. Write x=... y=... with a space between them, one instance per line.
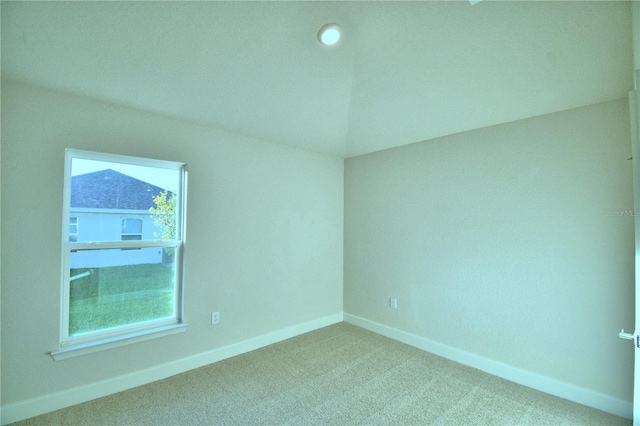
x=404 y=72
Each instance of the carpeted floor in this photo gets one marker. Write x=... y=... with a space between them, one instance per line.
x=341 y=375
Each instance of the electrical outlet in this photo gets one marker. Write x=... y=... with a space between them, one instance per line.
x=393 y=303
x=215 y=318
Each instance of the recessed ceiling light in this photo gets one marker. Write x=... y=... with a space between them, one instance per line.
x=329 y=34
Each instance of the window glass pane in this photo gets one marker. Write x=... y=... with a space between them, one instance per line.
x=73 y=225
x=73 y=229
x=101 y=191
x=111 y=288
x=132 y=226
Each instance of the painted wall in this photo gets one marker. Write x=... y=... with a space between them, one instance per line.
x=635 y=19
x=264 y=235
x=513 y=243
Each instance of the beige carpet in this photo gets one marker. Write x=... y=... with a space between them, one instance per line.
x=340 y=375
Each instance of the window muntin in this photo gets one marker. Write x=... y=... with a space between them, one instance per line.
x=122 y=271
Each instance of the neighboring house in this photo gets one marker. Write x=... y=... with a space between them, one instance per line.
x=111 y=206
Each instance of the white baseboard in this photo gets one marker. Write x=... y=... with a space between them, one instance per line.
x=574 y=393
x=43 y=404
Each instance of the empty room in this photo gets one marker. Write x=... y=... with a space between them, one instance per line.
x=319 y=212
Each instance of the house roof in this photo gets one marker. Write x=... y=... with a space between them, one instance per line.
x=109 y=189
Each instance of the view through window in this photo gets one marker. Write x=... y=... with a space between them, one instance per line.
x=122 y=267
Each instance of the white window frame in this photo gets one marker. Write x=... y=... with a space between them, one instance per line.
x=118 y=336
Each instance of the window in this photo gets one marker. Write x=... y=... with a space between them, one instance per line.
x=131 y=229
x=73 y=229
x=122 y=270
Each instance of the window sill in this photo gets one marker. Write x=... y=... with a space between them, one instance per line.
x=114 y=342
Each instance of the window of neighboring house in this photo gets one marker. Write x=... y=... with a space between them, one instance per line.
x=73 y=229
x=131 y=229
x=118 y=284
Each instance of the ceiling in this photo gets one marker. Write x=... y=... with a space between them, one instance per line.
x=404 y=72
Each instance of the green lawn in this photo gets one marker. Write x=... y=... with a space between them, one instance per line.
x=119 y=295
